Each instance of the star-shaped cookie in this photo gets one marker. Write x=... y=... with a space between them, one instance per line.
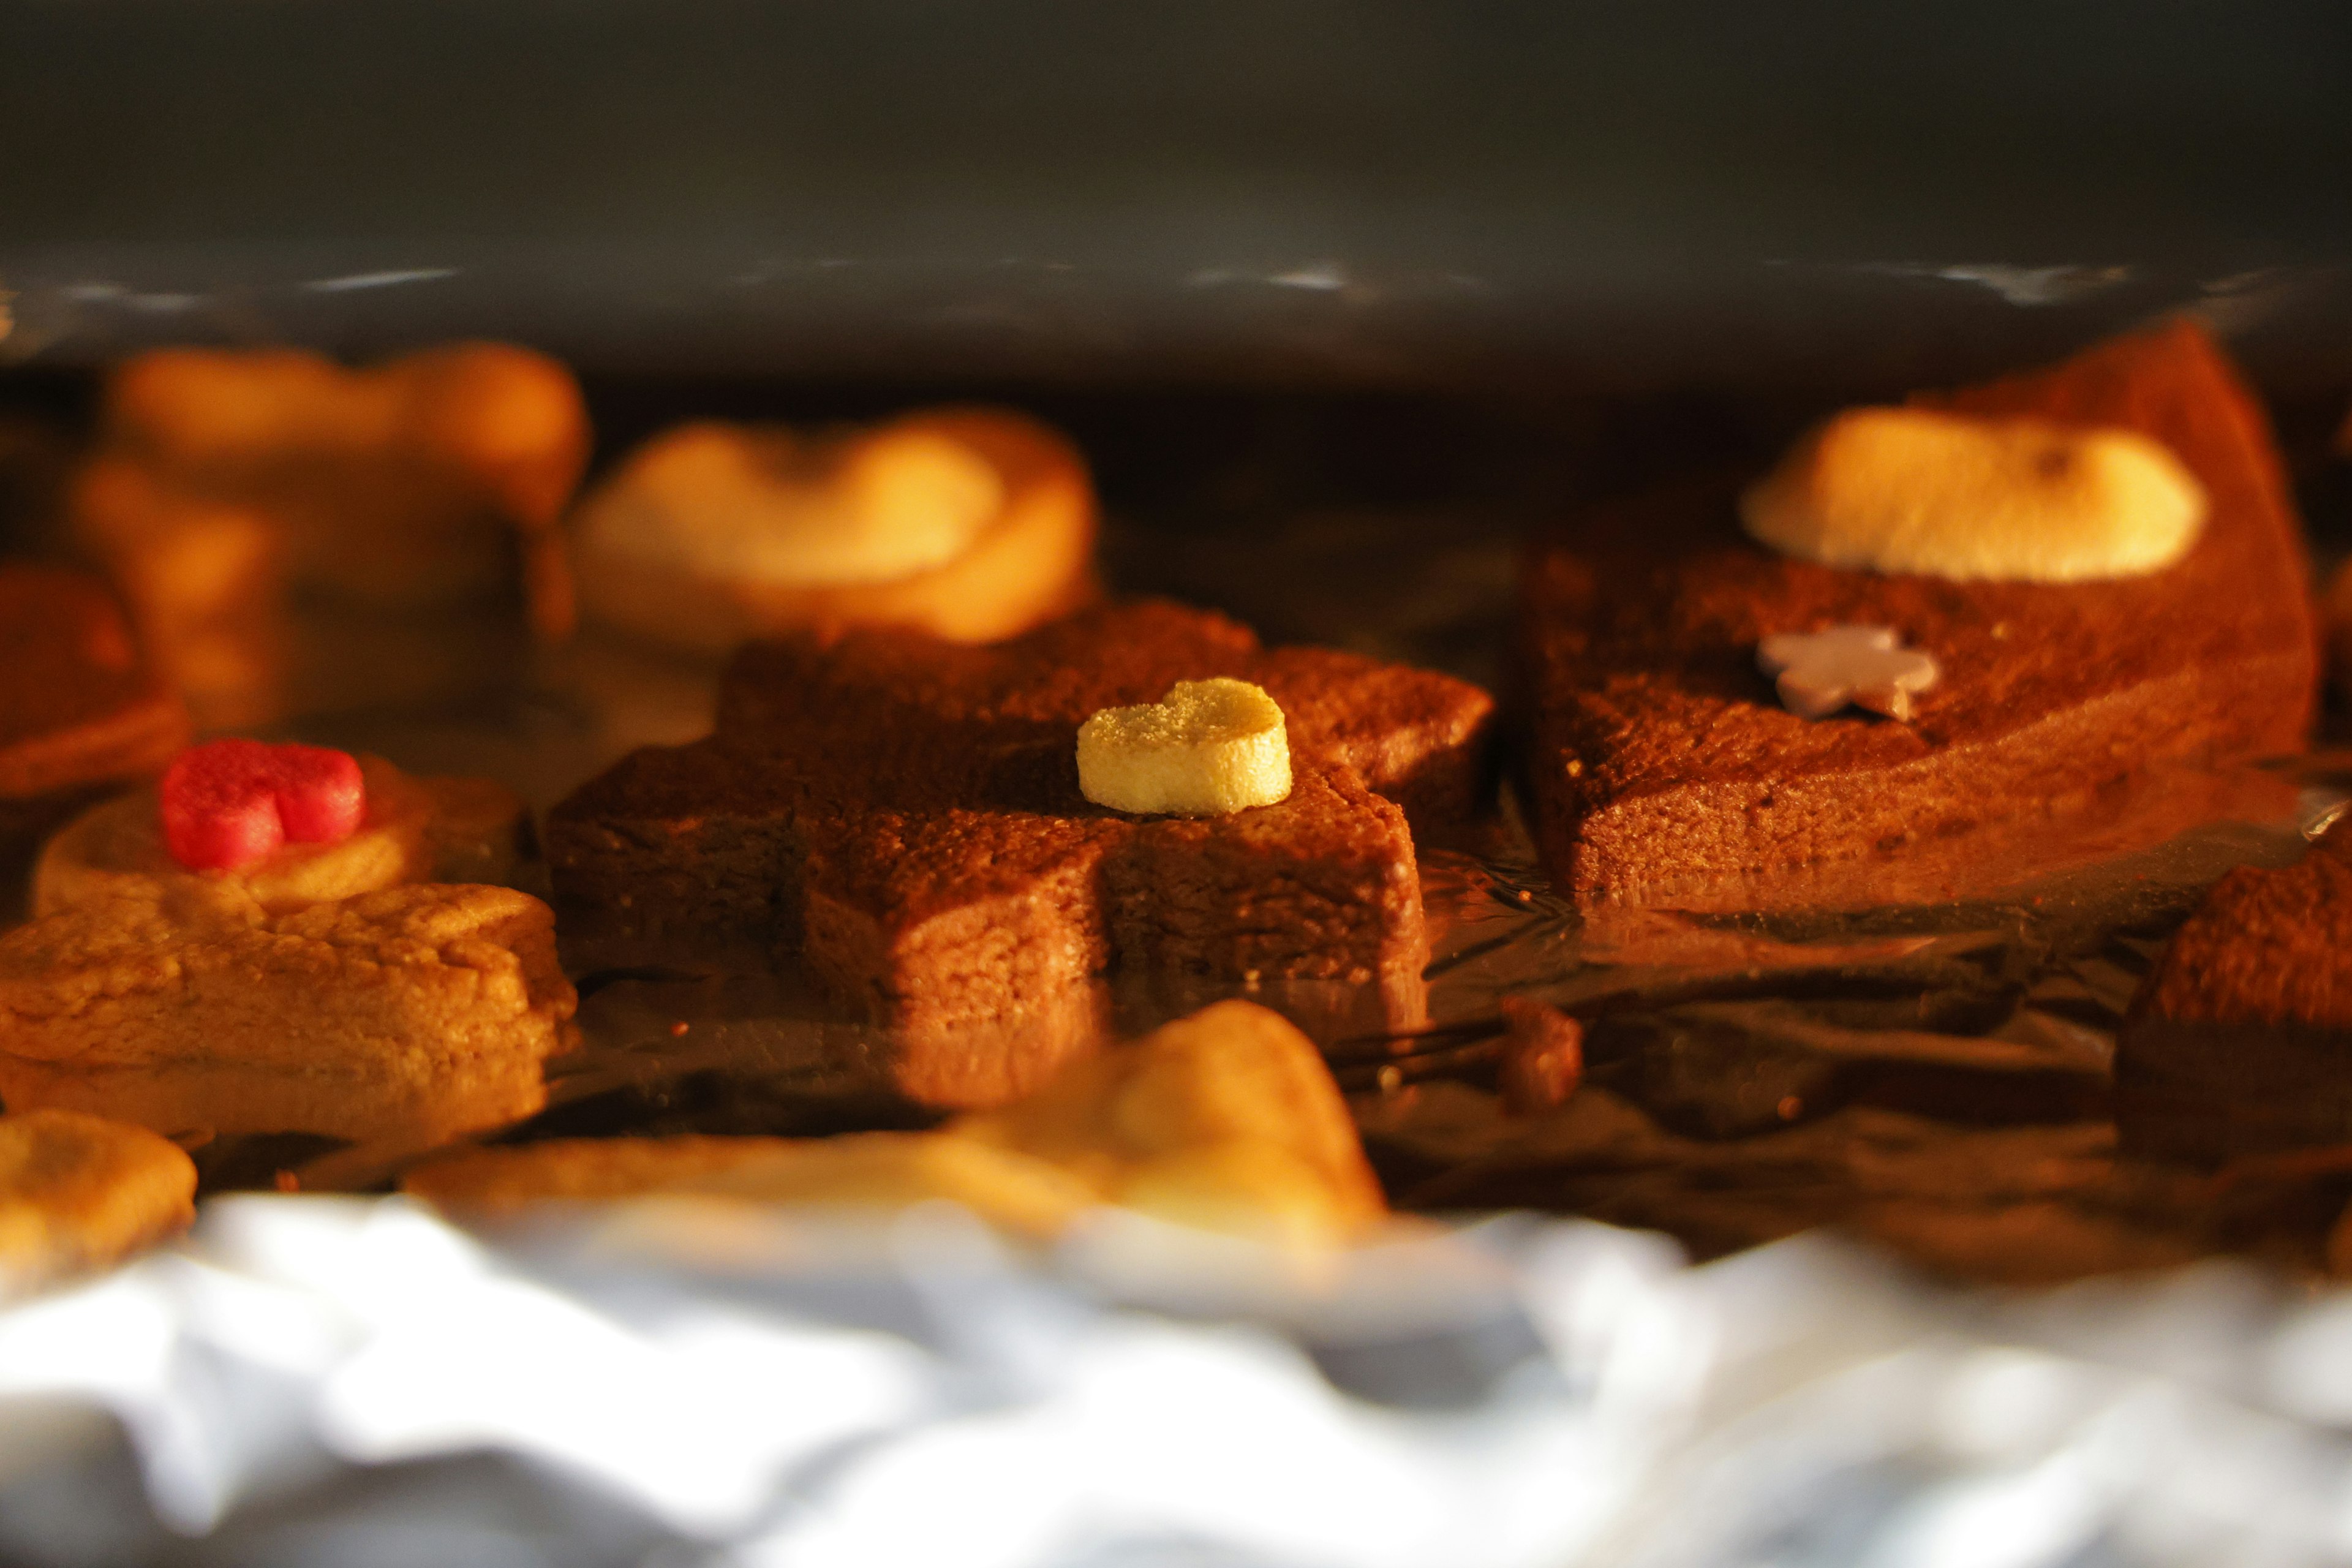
x=905 y=816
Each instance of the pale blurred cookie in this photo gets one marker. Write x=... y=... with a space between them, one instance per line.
x=1972 y=498
x=412 y=1013
x=864 y=1171
x=79 y=1193
x=225 y=485
x=971 y=525
x=1227 y=1120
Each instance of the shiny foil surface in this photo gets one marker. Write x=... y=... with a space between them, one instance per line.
x=1914 y=1048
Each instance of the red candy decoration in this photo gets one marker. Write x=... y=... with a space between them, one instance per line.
x=230 y=803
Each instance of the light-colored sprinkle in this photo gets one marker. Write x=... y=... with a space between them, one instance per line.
x=1816 y=673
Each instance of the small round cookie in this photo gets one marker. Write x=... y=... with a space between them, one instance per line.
x=416 y=831
x=972 y=524
x=79 y=1193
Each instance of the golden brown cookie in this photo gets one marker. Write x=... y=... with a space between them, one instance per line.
x=80 y=1192
x=415 y=1012
x=869 y=1169
x=78 y=705
x=416 y=830
x=1227 y=1120
x=974 y=524
x=226 y=483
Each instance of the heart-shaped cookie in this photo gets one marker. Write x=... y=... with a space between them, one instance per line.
x=230 y=803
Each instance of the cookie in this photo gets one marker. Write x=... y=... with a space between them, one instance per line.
x=265 y=511
x=1661 y=760
x=79 y=1193
x=413 y=1012
x=972 y=524
x=415 y=830
x=904 y=815
x=2239 y=1040
x=80 y=711
x=1227 y=1120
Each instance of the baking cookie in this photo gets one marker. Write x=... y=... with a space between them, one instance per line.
x=2239 y=1040
x=972 y=524
x=415 y=830
x=420 y=1011
x=1662 y=758
x=80 y=711
x=78 y=1192
x=905 y=816
x=1227 y=1120
x=228 y=488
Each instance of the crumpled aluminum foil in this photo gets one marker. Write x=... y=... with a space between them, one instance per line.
x=315 y=1379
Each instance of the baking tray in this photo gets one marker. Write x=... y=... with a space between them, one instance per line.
x=1908 y=1066
x=1915 y=1049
